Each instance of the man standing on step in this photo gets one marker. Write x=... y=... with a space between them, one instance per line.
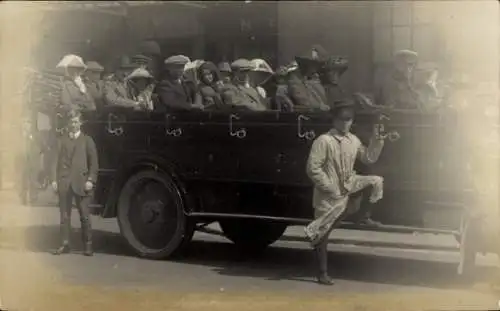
x=330 y=166
x=74 y=175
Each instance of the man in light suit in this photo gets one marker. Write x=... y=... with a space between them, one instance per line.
x=74 y=174
x=240 y=94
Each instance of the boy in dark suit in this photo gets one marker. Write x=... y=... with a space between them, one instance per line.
x=74 y=175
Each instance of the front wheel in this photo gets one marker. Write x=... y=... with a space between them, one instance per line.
x=252 y=234
x=151 y=215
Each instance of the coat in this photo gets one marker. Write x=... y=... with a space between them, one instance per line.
x=209 y=96
x=307 y=93
x=243 y=97
x=173 y=95
x=73 y=98
x=96 y=90
x=84 y=164
x=116 y=93
x=397 y=92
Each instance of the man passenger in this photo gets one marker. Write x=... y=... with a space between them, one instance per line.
x=225 y=72
x=116 y=92
x=330 y=74
x=330 y=166
x=172 y=90
x=240 y=93
x=93 y=79
x=397 y=90
x=304 y=86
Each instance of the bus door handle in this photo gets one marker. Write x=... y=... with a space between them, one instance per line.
x=239 y=133
x=170 y=131
x=392 y=136
x=116 y=131
x=309 y=135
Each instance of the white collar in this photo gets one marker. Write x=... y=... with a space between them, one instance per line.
x=74 y=135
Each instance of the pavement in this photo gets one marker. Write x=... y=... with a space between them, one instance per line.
x=212 y=266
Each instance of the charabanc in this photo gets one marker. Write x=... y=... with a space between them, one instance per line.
x=165 y=175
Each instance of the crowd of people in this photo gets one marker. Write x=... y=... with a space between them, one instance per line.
x=145 y=81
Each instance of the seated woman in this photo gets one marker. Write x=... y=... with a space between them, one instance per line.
x=141 y=85
x=209 y=87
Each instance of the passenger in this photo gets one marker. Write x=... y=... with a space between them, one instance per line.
x=141 y=85
x=330 y=75
x=282 y=101
x=397 y=90
x=95 y=83
x=330 y=166
x=225 y=72
x=304 y=85
x=240 y=94
x=260 y=74
x=116 y=90
x=426 y=84
x=152 y=53
x=173 y=93
x=209 y=87
x=74 y=93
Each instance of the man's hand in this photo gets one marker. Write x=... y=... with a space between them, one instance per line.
x=54 y=185
x=89 y=186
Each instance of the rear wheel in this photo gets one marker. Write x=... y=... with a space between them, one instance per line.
x=151 y=215
x=252 y=234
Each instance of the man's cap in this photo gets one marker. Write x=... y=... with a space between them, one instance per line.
x=180 y=60
x=407 y=56
x=224 y=67
x=241 y=64
x=150 y=48
x=71 y=60
x=344 y=104
x=94 y=66
x=140 y=73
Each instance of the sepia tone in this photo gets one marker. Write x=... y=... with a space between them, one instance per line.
x=245 y=183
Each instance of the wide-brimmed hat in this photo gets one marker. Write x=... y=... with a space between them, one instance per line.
x=140 y=73
x=94 y=66
x=335 y=63
x=140 y=59
x=150 y=47
x=71 y=61
x=314 y=56
x=260 y=65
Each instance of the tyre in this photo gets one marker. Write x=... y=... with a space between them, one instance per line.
x=252 y=234
x=151 y=215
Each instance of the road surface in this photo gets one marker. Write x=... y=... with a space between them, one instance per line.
x=213 y=267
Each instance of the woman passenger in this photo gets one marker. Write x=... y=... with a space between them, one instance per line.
x=209 y=87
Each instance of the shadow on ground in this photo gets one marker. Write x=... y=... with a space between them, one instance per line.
x=276 y=263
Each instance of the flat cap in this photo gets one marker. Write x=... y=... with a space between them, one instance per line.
x=177 y=60
x=140 y=73
x=94 y=66
x=406 y=55
x=71 y=60
x=241 y=64
x=224 y=67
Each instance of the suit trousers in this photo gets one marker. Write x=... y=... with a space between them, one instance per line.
x=66 y=197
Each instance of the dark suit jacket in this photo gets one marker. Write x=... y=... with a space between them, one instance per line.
x=173 y=95
x=239 y=96
x=84 y=164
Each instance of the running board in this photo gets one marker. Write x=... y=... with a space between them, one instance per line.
x=344 y=225
x=353 y=242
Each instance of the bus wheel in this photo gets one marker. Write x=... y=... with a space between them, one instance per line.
x=151 y=215
x=252 y=234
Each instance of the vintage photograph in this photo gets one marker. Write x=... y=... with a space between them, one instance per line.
x=177 y=155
